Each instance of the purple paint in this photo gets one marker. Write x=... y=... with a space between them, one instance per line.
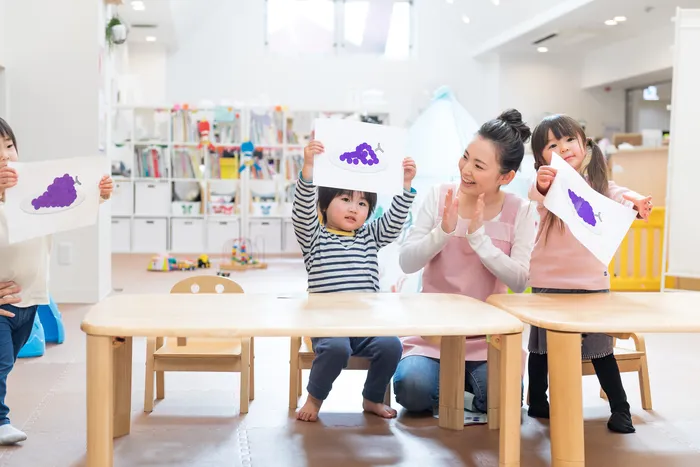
x=362 y=153
x=584 y=209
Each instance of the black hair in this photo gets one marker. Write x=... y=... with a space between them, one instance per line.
x=509 y=133
x=327 y=194
x=6 y=132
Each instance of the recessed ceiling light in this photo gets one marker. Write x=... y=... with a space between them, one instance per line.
x=620 y=19
x=138 y=5
x=466 y=19
x=611 y=22
x=150 y=38
x=450 y=1
x=542 y=49
x=496 y=2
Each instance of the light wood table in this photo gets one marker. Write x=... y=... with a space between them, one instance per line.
x=566 y=317
x=322 y=315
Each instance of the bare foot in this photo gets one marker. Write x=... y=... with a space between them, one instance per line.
x=309 y=412
x=378 y=408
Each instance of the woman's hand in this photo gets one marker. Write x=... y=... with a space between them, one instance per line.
x=106 y=187
x=409 y=172
x=545 y=177
x=642 y=205
x=311 y=150
x=9 y=296
x=477 y=219
x=449 y=215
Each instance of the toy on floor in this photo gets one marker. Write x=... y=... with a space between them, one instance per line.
x=165 y=263
x=203 y=262
x=241 y=259
x=36 y=345
x=48 y=327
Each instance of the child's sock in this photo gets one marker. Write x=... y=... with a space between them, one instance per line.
x=11 y=435
x=609 y=377
x=537 y=371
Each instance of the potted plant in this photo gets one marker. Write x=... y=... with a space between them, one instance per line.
x=115 y=32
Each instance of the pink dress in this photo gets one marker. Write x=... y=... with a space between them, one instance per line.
x=458 y=269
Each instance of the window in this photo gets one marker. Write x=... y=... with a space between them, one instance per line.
x=373 y=27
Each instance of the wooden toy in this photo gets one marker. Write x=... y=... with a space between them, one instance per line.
x=242 y=259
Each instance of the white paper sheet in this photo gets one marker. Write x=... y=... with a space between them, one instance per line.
x=349 y=161
x=30 y=213
x=598 y=222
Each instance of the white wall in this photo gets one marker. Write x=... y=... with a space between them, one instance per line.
x=2 y=33
x=143 y=75
x=53 y=77
x=645 y=54
x=539 y=84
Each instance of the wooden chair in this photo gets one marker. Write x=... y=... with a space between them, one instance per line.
x=200 y=354
x=302 y=356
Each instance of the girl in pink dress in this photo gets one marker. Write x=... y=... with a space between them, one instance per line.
x=472 y=239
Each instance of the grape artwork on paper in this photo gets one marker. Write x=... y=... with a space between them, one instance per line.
x=363 y=153
x=60 y=194
x=584 y=210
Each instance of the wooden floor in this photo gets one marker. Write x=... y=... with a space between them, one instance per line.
x=198 y=422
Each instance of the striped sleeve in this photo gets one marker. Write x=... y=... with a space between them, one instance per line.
x=305 y=216
x=387 y=228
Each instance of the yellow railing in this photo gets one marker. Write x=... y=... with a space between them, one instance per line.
x=638 y=262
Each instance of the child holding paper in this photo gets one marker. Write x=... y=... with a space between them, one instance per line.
x=26 y=264
x=340 y=255
x=470 y=238
x=561 y=264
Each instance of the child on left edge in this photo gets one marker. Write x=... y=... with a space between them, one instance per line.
x=26 y=265
x=340 y=255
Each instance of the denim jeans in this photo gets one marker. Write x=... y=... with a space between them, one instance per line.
x=417 y=380
x=14 y=333
x=332 y=354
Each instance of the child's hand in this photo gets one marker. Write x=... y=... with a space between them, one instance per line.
x=311 y=150
x=106 y=187
x=449 y=215
x=478 y=217
x=8 y=178
x=642 y=205
x=9 y=295
x=545 y=177
x=409 y=172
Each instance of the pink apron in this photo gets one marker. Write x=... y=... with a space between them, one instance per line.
x=458 y=269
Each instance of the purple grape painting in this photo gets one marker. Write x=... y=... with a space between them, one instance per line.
x=584 y=210
x=363 y=153
x=60 y=194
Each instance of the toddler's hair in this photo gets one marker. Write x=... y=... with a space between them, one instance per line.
x=509 y=133
x=327 y=194
x=6 y=132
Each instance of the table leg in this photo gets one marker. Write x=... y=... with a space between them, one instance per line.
x=493 y=386
x=452 y=353
x=566 y=399
x=510 y=397
x=122 y=387
x=100 y=396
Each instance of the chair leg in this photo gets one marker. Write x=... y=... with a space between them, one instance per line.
x=387 y=395
x=252 y=369
x=245 y=375
x=299 y=388
x=160 y=375
x=150 y=373
x=294 y=379
x=643 y=372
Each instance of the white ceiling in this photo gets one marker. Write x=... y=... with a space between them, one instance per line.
x=157 y=13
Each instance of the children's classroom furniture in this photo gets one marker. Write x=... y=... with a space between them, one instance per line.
x=36 y=344
x=111 y=325
x=48 y=327
x=613 y=313
x=200 y=354
x=301 y=358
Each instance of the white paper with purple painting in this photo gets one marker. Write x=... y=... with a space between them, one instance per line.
x=53 y=196
x=598 y=222
x=360 y=156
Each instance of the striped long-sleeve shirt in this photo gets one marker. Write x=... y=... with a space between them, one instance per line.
x=340 y=263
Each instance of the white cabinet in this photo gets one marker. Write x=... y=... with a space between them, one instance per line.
x=153 y=198
x=121 y=235
x=123 y=198
x=150 y=235
x=289 y=239
x=187 y=235
x=266 y=236
x=220 y=232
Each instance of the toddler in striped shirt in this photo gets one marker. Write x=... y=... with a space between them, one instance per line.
x=340 y=255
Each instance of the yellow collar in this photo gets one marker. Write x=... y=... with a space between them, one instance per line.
x=336 y=232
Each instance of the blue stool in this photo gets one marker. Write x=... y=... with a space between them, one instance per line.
x=48 y=327
x=36 y=345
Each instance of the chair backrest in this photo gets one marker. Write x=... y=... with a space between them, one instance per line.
x=207 y=284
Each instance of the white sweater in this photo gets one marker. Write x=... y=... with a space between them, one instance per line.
x=426 y=238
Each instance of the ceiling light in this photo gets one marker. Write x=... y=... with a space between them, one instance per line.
x=138 y=5
x=542 y=49
x=496 y=2
x=620 y=19
x=150 y=38
x=611 y=22
x=450 y=1
x=466 y=19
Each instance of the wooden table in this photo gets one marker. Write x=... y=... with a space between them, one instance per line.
x=320 y=315
x=566 y=317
